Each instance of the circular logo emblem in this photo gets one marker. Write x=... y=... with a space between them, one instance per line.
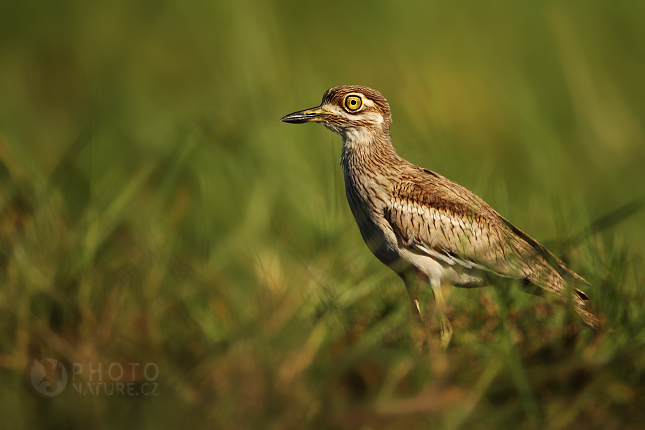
x=48 y=377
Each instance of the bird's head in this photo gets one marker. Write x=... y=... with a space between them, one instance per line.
x=348 y=110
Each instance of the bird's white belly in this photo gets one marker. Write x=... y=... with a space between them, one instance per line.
x=440 y=272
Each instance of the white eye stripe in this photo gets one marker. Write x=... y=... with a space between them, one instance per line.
x=369 y=116
x=335 y=109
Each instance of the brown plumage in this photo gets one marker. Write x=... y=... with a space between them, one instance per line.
x=425 y=227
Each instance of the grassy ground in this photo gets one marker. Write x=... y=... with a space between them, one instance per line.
x=154 y=210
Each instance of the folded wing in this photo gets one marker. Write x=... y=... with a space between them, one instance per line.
x=438 y=217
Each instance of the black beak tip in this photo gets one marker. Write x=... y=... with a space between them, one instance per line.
x=294 y=118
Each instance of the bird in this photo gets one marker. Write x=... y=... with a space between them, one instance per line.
x=428 y=229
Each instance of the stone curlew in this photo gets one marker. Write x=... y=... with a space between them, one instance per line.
x=425 y=227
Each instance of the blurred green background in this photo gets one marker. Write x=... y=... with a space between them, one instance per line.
x=154 y=209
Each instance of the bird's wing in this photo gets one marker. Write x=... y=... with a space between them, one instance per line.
x=438 y=217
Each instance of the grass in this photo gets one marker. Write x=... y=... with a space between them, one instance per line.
x=154 y=210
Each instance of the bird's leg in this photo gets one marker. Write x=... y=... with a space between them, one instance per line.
x=446 y=328
x=412 y=285
x=418 y=329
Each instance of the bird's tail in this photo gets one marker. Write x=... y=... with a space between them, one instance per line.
x=579 y=302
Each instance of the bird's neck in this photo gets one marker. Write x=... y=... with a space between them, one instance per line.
x=363 y=149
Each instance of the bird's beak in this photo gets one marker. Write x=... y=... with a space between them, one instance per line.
x=316 y=114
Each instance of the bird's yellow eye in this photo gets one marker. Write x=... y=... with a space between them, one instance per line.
x=353 y=103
